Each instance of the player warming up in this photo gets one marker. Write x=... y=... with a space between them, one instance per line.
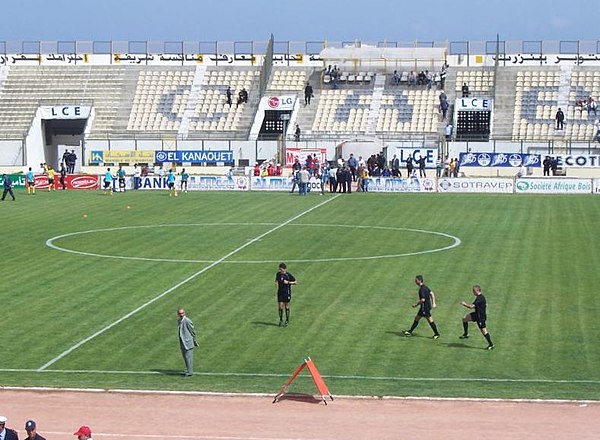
x=284 y=281
x=478 y=316
x=425 y=304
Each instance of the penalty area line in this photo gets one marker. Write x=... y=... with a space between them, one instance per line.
x=178 y=285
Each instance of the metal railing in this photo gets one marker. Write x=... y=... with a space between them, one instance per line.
x=483 y=47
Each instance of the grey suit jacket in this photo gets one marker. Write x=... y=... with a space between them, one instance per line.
x=187 y=333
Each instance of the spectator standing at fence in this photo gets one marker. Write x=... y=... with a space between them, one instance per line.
x=332 y=175
x=353 y=164
x=560 y=119
x=554 y=165
x=422 y=162
x=7 y=433
x=438 y=167
x=308 y=94
x=395 y=165
x=31 y=429
x=304 y=179
x=72 y=162
x=297 y=133
x=65 y=158
x=447 y=166
x=465 y=90
x=409 y=166
x=547 y=164
x=456 y=167
x=324 y=176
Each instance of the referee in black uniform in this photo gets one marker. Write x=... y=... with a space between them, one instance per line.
x=478 y=316
x=284 y=281
x=426 y=303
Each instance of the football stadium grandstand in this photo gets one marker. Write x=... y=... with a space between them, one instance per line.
x=251 y=102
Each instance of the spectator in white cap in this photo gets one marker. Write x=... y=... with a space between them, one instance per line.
x=83 y=433
x=7 y=433
x=31 y=429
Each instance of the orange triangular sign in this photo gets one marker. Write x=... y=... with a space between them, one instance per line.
x=316 y=376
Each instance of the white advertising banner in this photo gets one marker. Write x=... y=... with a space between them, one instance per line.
x=553 y=186
x=596 y=186
x=196 y=183
x=283 y=102
x=578 y=160
x=399 y=184
x=65 y=112
x=476 y=185
x=475 y=103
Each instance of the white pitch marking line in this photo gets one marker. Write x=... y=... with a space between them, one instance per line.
x=178 y=285
x=326 y=376
x=456 y=242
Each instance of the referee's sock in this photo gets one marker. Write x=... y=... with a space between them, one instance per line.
x=413 y=326
x=465 y=328
x=287 y=315
x=434 y=328
x=489 y=339
x=281 y=314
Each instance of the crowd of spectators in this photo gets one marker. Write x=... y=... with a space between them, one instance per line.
x=267 y=169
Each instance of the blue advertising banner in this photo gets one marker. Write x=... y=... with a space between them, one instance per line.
x=193 y=156
x=500 y=160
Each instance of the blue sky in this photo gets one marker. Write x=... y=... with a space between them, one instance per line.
x=300 y=20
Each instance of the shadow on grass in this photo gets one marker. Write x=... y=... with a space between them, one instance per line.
x=300 y=397
x=461 y=345
x=169 y=372
x=272 y=324
x=414 y=335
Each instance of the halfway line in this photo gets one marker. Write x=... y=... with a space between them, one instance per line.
x=178 y=285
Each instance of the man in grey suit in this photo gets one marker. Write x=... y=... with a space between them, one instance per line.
x=187 y=341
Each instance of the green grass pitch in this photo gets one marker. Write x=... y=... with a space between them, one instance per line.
x=355 y=257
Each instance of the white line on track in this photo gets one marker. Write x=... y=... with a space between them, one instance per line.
x=183 y=437
x=326 y=376
x=178 y=285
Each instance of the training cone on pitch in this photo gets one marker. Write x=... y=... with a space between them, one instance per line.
x=316 y=376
